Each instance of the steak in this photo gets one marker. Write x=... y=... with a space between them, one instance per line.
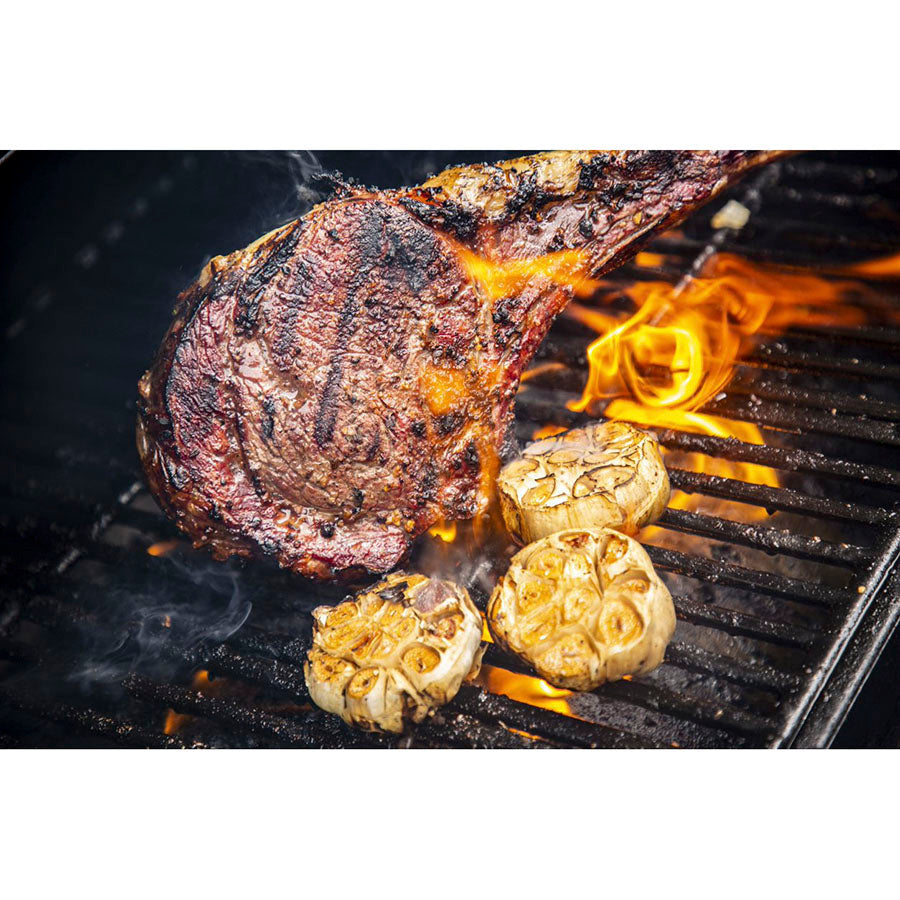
x=345 y=382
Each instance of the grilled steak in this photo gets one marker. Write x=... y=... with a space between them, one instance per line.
x=329 y=392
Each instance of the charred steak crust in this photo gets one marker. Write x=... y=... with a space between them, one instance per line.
x=328 y=393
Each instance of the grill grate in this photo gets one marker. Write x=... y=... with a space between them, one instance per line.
x=779 y=621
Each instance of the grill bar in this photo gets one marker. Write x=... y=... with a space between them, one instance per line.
x=816 y=399
x=790 y=460
x=771 y=356
x=783 y=499
x=779 y=416
x=87 y=720
x=760 y=537
x=716 y=572
x=742 y=624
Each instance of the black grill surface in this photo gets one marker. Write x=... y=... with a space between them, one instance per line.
x=114 y=632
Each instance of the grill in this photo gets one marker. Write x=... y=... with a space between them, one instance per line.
x=113 y=632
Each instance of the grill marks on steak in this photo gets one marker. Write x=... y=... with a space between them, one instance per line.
x=334 y=389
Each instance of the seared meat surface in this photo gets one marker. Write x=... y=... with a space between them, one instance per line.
x=328 y=393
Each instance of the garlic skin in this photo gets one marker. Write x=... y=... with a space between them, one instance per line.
x=607 y=474
x=394 y=652
x=583 y=607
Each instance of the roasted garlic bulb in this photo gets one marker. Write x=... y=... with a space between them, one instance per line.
x=608 y=475
x=394 y=652
x=583 y=607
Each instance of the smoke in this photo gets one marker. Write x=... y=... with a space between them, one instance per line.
x=152 y=630
x=300 y=170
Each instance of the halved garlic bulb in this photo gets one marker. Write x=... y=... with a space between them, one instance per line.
x=583 y=607
x=394 y=652
x=607 y=475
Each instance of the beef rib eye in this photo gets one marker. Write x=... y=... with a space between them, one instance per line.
x=331 y=391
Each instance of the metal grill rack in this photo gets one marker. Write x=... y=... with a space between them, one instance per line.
x=779 y=621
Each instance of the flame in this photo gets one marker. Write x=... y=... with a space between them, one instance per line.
x=547 y=431
x=444 y=531
x=542 y=369
x=500 y=279
x=700 y=423
x=176 y=721
x=162 y=548
x=533 y=691
x=885 y=267
x=679 y=348
x=649 y=260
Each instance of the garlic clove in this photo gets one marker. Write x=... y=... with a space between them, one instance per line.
x=582 y=607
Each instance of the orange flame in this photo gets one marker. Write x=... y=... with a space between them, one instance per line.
x=500 y=279
x=547 y=431
x=444 y=531
x=885 y=267
x=176 y=721
x=162 y=548
x=533 y=691
x=679 y=348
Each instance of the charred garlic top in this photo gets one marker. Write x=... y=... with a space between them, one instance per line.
x=604 y=475
x=394 y=652
x=583 y=607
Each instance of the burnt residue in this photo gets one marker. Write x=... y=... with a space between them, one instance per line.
x=472 y=457
x=274 y=257
x=449 y=422
x=268 y=422
x=368 y=236
x=450 y=217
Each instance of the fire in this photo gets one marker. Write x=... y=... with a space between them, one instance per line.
x=444 y=531
x=176 y=721
x=547 y=431
x=679 y=348
x=885 y=267
x=500 y=279
x=533 y=691
x=162 y=548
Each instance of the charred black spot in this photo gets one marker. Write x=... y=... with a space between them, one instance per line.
x=418 y=429
x=449 y=216
x=214 y=513
x=279 y=254
x=429 y=482
x=501 y=313
x=395 y=593
x=525 y=191
x=247 y=312
x=374 y=446
x=557 y=242
x=326 y=529
x=592 y=171
x=268 y=423
x=449 y=422
x=358 y=498
x=473 y=460
x=586 y=227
